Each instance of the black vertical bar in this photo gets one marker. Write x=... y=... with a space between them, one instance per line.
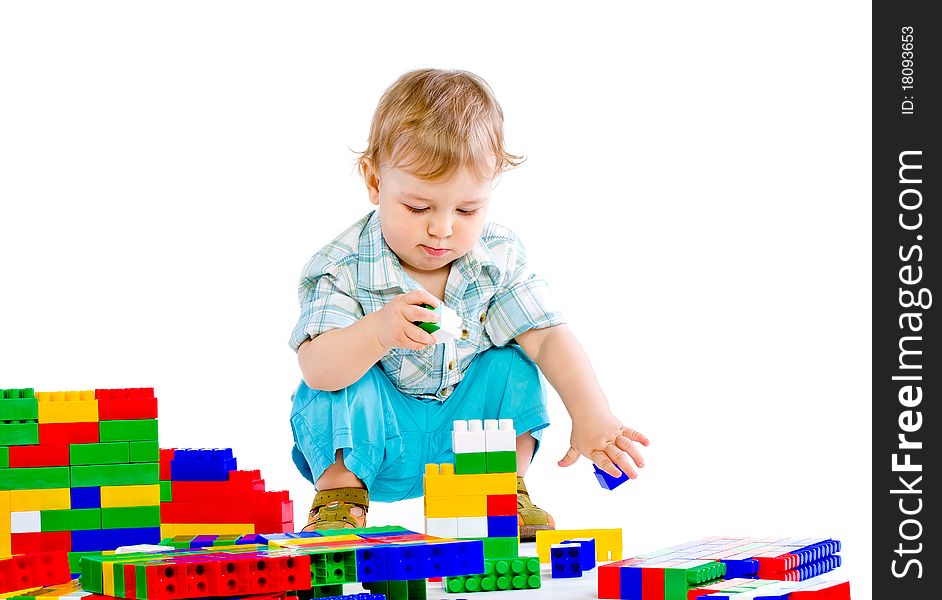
x=906 y=367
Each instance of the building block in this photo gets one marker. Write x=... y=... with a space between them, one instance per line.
x=501 y=462
x=33 y=571
x=587 y=554
x=130 y=516
x=500 y=574
x=118 y=496
x=39 y=456
x=449 y=326
x=472 y=527
x=39 y=499
x=607 y=481
x=499 y=436
x=334 y=567
x=470 y=463
x=87 y=497
x=68 y=433
x=467 y=437
x=25 y=522
x=211 y=464
x=608 y=542
x=106 y=453
x=22 y=407
x=166 y=491
x=144 y=452
x=68 y=411
x=136 y=403
x=113 y=475
x=71 y=519
x=458 y=506
x=565 y=560
x=42 y=541
x=109 y=539
x=132 y=430
x=4 y=457
x=31 y=478
x=502 y=505
x=442 y=481
x=442 y=527
x=19 y=433
x=502 y=526
x=501 y=547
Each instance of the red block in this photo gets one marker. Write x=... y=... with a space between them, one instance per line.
x=34 y=570
x=166 y=455
x=273 y=527
x=125 y=394
x=502 y=505
x=838 y=591
x=130 y=582
x=51 y=434
x=652 y=584
x=199 y=491
x=609 y=581
x=39 y=456
x=113 y=409
x=220 y=511
x=40 y=541
x=180 y=512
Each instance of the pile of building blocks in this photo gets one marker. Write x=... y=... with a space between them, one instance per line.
x=768 y=589
x=476 y=498
x=203 y=492
x=572 y=557
x=671 y=573
x=385 y=560
x=78 y=471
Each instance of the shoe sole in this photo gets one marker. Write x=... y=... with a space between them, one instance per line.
x=528 y=532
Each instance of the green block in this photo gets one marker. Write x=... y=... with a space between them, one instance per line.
x=75 y=560
x=140 y=579
x=19 y=433
x=326 y=591
x=130 y=516
x=118 y=581
x=91 y=574
x=34 y=478
x=502 y=462
x=166 y=491
x=14 y=393
x=108 y=453
x=4 y=457
x=334 y=567
x=500 y=547
x=471 y=463
x=226 y=540
x=131 y=430
x=19 y=409
x=70 y=519
x=98 y=475
x=145 y=452
x=500 y=574
x=682 y=578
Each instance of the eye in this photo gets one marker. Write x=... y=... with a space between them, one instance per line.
x=467 y=213
x=413 y=209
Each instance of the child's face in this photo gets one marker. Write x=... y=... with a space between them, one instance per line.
x=429 y=224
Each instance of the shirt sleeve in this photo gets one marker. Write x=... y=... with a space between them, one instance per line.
x=326 y=300
x=522 y=302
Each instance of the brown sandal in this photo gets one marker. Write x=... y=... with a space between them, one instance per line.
x=338 y=509
x=530 y=517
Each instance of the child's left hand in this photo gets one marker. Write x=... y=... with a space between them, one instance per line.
x=606 y=442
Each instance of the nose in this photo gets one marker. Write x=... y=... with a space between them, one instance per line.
x=439 y=225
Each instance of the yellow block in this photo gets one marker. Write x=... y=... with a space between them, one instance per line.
x=114 y=496
x=208 y=529
x=166 y=531
x=107 y=578
x=455 y=506
x=607 y=542
x=5 y=520
x=75 y=411
x=52 y=499
x=5 y=547
x=444 y=482
x=65 y=396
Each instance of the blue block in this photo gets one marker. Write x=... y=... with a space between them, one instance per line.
x=565 y=560
x=86 y=497
x=202 y=465
x=203 y=541
x=371 y=564
x=744 y=568
x=607 y=481
x=505 y=526
x=465 y=557
x=587 y=554
x=97 y=540
x=630 y=583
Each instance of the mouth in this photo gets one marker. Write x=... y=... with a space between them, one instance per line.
x=434 y=251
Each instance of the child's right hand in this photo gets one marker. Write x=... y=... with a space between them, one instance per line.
x=394 y=322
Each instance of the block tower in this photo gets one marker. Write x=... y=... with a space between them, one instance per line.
x=78 y=471
x=476 y=498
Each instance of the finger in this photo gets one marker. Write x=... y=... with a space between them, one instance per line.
x=421 y=297
x=414 y=313
x=570 y=458
x=620 y=458
x=634 y=435
x=631 y=448
x=419 y=336
x=604 y=462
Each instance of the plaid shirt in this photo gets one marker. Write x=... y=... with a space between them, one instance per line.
x=490 y=288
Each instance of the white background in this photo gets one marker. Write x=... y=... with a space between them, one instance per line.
x=697 y=192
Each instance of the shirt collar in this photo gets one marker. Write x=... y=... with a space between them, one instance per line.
x=383 y=270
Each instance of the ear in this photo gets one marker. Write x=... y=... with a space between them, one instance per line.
x=371 y=177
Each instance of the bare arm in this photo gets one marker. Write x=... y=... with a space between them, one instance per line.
x=596 y=432
x=337 y=358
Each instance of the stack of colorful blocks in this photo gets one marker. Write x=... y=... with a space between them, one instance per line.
x=78 y=471
x=671 y=573
x=202 y=492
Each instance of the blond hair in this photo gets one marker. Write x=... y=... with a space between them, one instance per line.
x=432 y=122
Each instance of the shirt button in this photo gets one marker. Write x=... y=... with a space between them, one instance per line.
x=483 y=315
x=451 y=365
x=464 y=334
x=444 y=393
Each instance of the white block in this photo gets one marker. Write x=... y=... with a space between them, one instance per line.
x=499 y=436
x=442 y=527
x=472 y=527
x=467 y=436
x=27 y=521
x=143 y=548
x=449 y=323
